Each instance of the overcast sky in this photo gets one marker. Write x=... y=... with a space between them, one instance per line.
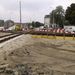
x=32 y=10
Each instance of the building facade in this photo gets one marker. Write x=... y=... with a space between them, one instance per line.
x=1 y=23
x=47 y=20
x=23 y=25
x=8 y=23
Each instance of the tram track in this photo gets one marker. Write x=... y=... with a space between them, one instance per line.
x=43 y=34
x=8 y=37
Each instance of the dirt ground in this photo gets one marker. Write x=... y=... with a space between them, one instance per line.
x=2 y=34
x=35 y=56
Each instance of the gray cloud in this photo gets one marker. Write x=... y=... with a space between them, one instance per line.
x=29 y=7
x=26 y=5
x=36 y=6
x=10 y=5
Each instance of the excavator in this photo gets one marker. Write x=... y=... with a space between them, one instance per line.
x=15 y=27
x=18 y=28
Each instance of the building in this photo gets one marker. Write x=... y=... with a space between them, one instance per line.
x=47 y=20
x=8 y=23
x=1 y=23
x=23 y=25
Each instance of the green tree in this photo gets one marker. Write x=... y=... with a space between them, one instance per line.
x=33 y=24
x=70 y=14
x=58 y=15
x=36 y=24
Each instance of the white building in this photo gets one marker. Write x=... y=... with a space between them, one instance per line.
x=47 y=20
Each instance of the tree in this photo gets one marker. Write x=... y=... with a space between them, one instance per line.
x=70 y=14
x=33 y=24
x=36 y=24
x=58 y=15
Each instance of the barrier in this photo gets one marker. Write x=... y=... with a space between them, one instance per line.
x=1 y=29
x=49 y=30
x=56 y=31
x=64 y=37
x=24 y=29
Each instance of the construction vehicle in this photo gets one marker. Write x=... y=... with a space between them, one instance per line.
x=17 y=28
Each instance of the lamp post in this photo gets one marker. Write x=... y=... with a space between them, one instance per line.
x=53 y=17
x=20 y=14
x=63 y=22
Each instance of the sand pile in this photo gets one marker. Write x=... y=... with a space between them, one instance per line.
x=33 y=56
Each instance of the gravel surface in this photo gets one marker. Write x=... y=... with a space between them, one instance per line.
x=2 y=34
x=35 y=56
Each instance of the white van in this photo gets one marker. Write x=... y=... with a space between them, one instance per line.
x=70 y=29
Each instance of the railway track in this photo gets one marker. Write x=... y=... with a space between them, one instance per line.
x=12 y=34
x=42 y=34
x=8 y=37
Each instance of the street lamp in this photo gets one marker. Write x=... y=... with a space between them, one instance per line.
x=20 y=14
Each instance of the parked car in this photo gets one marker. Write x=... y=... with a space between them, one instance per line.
x=70 y=29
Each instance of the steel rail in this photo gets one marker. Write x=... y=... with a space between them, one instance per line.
x=6 y=38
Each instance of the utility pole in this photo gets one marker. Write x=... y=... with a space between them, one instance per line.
x=20 y=14
x=53 y=17
x=34 y=20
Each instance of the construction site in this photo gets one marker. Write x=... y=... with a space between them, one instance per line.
x=36 y=54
